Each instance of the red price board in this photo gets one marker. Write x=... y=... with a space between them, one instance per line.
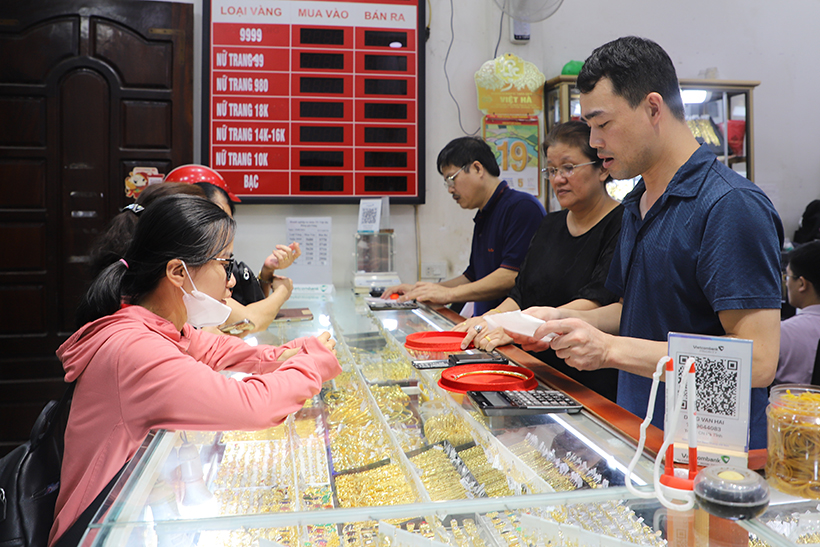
x=308 y=100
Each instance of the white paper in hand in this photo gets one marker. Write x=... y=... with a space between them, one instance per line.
x=517 y=322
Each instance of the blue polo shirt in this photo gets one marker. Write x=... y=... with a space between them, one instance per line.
x=502 y=234
x=710 y=243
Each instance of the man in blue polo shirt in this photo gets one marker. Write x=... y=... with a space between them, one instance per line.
x=504 y=226
x=699 y=250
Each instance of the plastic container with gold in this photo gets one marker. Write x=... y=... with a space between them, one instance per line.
x=793 y=416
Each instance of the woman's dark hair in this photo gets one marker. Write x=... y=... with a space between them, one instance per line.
x=212 y=191
x=574 y=134
x=464 y=151
x=636 y=67
x=182 y=226
x=111 y=245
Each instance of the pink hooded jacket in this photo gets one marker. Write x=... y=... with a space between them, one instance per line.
x=135 y=372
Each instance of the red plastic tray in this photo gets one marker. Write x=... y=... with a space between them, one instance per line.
x=435 y=341
x=487 y=377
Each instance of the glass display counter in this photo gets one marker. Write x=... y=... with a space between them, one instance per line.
x=384 y=456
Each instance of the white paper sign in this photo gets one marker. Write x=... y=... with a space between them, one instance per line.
x=723 y=374
x=313 y=234
x=370 y=214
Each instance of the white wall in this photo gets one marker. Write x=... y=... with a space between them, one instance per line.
x=773 y=42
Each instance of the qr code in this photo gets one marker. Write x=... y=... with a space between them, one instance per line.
x=717 y=384
x=369 y=215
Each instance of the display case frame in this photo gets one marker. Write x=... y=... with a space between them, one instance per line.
x=370 y=348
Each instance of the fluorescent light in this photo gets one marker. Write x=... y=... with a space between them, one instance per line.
x=693 y=96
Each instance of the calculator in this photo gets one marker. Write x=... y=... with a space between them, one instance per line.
x=537 y=401
x=382 y=305
x=456 y=359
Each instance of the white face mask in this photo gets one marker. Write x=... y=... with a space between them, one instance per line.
x=203 y=310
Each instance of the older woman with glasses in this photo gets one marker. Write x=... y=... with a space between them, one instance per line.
x=569 y=257
x=139 y=364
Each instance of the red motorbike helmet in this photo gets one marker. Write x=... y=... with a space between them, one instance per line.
x=192 y=173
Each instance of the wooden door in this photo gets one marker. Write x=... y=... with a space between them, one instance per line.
x=89 y=89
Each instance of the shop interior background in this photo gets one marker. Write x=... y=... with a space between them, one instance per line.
x=773 y=42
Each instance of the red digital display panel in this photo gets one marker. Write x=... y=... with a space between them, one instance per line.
x=310 y=100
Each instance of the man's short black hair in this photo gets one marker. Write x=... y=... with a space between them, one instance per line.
x=804 y=261
x=636 y=67
x=464 y=151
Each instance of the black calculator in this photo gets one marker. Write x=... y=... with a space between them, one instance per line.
x=382 y=305
x=537 y=401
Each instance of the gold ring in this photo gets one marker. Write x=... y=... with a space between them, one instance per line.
x=488 y=338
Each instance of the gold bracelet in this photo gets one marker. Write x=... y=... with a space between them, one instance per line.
x=263 y=281
x=503 y=372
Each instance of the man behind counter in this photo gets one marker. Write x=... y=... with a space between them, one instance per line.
x=698 y=251
x=504 y=225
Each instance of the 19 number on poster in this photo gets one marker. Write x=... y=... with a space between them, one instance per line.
x=513 y=155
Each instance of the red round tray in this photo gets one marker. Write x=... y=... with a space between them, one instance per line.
x=435 y=341
x=487 y=377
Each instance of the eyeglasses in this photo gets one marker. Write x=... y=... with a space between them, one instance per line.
x=228 y=264
x=450 y=181
x=786 y=277
x=565 y=170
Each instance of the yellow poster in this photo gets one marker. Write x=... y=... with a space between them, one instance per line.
x=515 y=143
x=508 y=86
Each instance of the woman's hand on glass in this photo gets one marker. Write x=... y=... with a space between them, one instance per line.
x=473 y=327
x=328 y=342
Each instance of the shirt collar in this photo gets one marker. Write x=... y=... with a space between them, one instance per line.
x=494 y=199
x=814 y=309
x=685 y=184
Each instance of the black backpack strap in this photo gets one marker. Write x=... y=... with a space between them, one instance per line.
x=57 y=416
x=72 y=536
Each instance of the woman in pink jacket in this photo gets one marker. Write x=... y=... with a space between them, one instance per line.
x=139 y=364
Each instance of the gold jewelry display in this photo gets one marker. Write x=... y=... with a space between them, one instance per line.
x=438 y=475
x=447 y=427
x=493 y=480
x=287 y=468
x=384 y=485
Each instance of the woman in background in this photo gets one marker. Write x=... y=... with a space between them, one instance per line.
x=569 y=257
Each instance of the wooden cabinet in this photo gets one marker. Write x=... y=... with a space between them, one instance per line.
x=709 y=104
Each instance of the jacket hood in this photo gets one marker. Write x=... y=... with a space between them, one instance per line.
x=78 y=351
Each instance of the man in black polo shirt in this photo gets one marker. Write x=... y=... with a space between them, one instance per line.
x=504 y=225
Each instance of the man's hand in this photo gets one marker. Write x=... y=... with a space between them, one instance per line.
x=578 y=343
x=433 y=293
x=544 y=313
x=536 y=343
x=397 y=289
